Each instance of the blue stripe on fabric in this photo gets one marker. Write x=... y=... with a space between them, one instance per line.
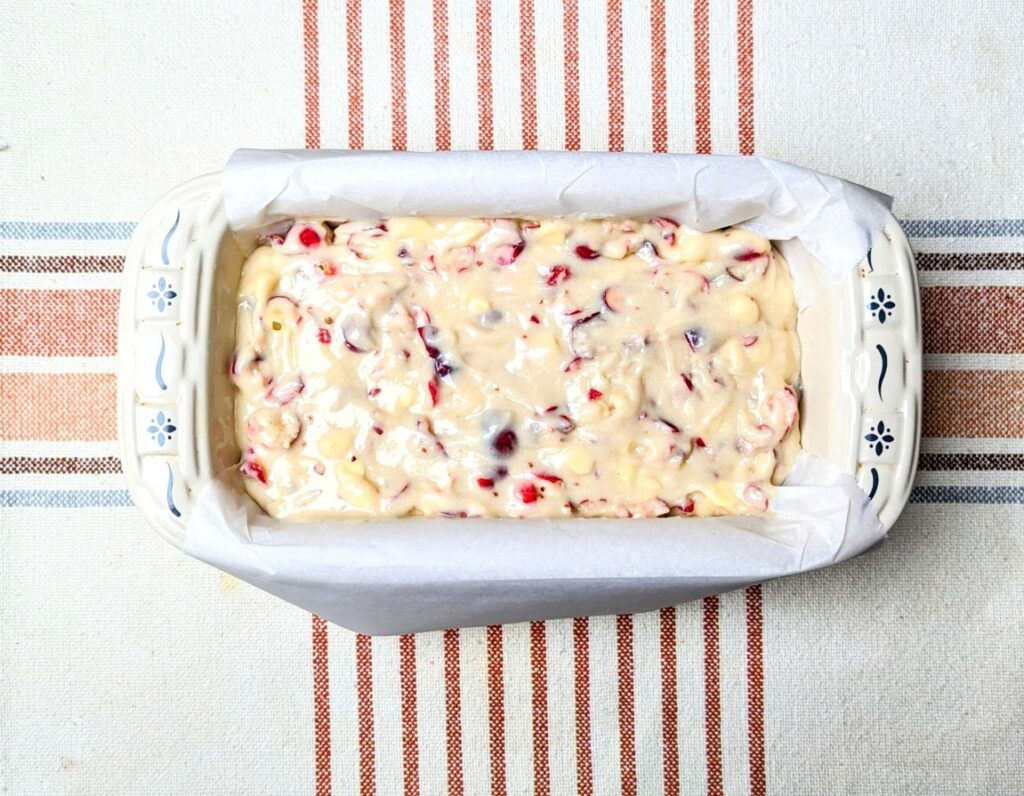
x=64 y=499
x=967 y=494
x=66 y=230
x=122 y=230
x=101 y=498
x=963 y=227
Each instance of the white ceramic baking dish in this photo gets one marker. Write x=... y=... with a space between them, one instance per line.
x=861 y=361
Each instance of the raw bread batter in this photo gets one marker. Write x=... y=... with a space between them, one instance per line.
x=515 y=368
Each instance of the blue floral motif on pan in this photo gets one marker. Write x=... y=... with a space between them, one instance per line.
x=161 y=294
x=871 y=266
x=160 y=364
x=885 y=367
x=167 y=239
x=170 y=492
x=874 y=483
x=880 y=438
x=161 y=428
x=881 y=305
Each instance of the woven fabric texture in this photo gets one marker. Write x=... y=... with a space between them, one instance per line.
x=126 y=667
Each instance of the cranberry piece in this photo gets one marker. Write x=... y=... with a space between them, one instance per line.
x=429 y=334
x=749 y=341
x=527 y=492
x=584 y=252
x=252 y=468
x=564 y=424
x=442 y=367
x=557 y=274
x=282 y=394
x=593 y=395
x=505 y=443
x=687 y=506
x=309 y=237
x=432 y=386
x=668 y=424
x=614 y=299
x=534 y=319
x=323 y=335
x=687 y=381
x=484 y=483
x=694 y=339
x=550 y=478
x=509 y=253
x=699 y=442
x=747 y=255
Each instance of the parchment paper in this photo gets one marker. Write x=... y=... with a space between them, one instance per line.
x=398 y=576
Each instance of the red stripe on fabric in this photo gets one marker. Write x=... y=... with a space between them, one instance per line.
x=745 y=73
x=485 y=103
x=581 y=665
x=61 y=323
x=318 y=627
x=712 y=697
x=701 y=77
x=396 y=23
x=616 y=100
x=528 y=74
x=410 y=739
x=311 y=59
x=753 y=596
x=496 y=708
x=364 y=711
x=62 y=264
x=659 y=106
x=442 y=109
x=54 y=465
x=43 y=406
x=354 y=47
x=539 y=682
x=453 y=711
x=669 y=702
x=321 y=706
x=755 y=690
x=570 y=31
x=627 y=715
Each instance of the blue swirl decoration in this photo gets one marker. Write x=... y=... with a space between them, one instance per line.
x=874 y=483
x=160 y=363
x=871 y=266
x=167 y=239
x=170 y=491
x=885 y=367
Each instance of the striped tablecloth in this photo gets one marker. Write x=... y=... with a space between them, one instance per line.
x=128 y=668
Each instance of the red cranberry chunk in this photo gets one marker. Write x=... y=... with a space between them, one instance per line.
x=558 y=274
x=505 y=443
x=527 y=492
x=309 y=237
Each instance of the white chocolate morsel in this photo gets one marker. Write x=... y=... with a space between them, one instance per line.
x=515 y=368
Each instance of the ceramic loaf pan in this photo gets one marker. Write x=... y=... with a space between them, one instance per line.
x=861 y=361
